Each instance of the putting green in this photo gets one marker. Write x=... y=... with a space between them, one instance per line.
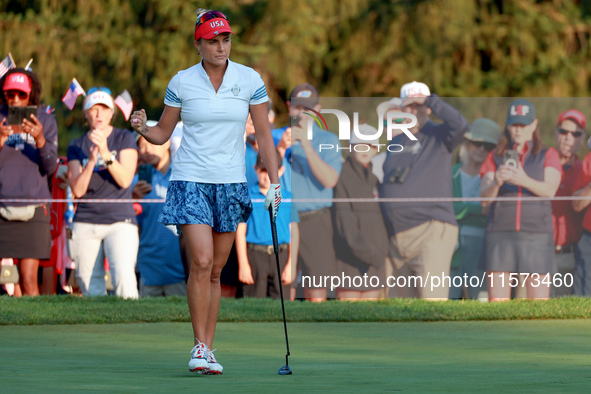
x=343 y=357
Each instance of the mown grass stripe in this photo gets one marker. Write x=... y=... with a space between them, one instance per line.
x=111 y=310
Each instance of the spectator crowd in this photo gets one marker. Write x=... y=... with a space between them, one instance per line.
x=408 y=212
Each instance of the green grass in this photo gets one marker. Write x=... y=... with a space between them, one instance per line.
x=490 y=356
x=72 y=344
x=111 y=310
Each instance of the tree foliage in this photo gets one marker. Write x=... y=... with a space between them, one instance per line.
x=347 y=48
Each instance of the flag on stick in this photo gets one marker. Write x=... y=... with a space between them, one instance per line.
x=6 y=64
x=72 y=94
x=125 y=103
x=28 y=66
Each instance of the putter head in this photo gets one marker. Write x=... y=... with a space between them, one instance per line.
x=285 y=370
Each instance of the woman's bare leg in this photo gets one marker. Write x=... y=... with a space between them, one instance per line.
x=199 y=241
x=29 y=269
x=498 y=286
x=355 y=295
x=222 y=245
x=536 y=290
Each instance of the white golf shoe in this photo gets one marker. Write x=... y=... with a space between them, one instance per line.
x=198 y=362
x=214 y=367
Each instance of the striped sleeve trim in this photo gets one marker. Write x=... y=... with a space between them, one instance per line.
x=171 y=97
x=259 y=94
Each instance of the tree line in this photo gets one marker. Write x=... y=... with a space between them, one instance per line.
x=351 y=48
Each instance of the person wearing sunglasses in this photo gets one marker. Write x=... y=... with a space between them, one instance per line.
x=581 y=188
x=519 y=236
x=568 y=227
x=28 y=156
x=208 y=195
x=481 y=138
x=101 y=165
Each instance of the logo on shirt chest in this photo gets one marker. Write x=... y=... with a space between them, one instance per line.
x=19 y=140
x=235 y=90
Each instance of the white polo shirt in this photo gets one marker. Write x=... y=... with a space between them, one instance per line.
x=212 y=146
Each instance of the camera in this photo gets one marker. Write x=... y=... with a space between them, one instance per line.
x=16 y=115
x=399 y=175
x=511 y=158
x=62 y=167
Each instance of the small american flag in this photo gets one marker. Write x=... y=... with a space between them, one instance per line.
x=125 y=103
x=72 y=94
x=6 y=64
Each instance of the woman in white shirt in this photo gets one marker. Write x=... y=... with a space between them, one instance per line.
x=207 y=196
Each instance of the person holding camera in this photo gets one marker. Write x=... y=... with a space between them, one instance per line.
x=28 y=156
x=314 y=174
x=422 y=235
x=519 y=236
x=101 y=165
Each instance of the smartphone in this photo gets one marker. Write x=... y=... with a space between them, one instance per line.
x=144 y=173
x=17 y=114
x=511 y=158
x=61 y=170
x=62 y=167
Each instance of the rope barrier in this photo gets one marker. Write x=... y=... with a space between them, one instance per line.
x=296 y=200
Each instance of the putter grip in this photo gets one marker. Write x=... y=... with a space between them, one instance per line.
x=274 y=231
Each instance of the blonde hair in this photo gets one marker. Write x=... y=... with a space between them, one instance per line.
x=200 y=11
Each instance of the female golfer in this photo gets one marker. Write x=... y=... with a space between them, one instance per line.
x=207 y=196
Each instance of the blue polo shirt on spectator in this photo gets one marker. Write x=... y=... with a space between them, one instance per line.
x=303 y=181
x=250 y=156
x=277 y=134
x=159 y=257
x=258 y=226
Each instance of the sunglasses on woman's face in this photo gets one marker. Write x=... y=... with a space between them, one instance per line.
x=486 y=145
x=575 y=134
x=99 y=88
x=11 y=94
x=209 y=16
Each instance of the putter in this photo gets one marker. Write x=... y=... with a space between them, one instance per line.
x=285 y=370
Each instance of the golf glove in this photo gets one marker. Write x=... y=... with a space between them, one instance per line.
x=273 y=198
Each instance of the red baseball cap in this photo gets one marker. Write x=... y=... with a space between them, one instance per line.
x=210 y=24
x=573 y=114
x=18 y=81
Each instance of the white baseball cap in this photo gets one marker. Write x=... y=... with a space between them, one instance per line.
x=364 y=129
x=98 y=97
x=388 y=105
x=414 y=89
